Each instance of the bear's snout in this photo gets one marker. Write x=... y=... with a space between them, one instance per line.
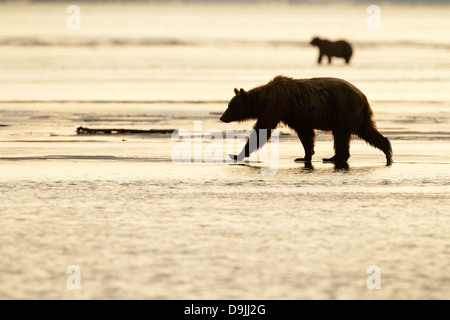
x=223 y=118
x=226 y=116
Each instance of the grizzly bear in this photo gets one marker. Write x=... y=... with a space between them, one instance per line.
x=327 y=104
x=340 y=49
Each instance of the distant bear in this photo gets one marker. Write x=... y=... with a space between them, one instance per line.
x=340 y=49
x=327 y=104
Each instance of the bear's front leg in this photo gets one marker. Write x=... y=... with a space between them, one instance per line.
x=320 y=58
x=307 y=137
x=235 y=157
x=250 y=146
x=256 y=140
x=261 y=133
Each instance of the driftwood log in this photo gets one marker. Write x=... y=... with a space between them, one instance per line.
x=82 y=130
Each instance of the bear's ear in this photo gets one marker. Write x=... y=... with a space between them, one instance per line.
x=242 y=91
x=236 y=91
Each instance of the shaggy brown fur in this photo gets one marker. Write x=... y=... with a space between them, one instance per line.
x=340 y=49
x=327 y=104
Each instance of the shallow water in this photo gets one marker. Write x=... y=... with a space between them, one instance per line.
x=140 y=226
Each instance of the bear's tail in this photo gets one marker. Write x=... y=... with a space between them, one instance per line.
x=372 y=136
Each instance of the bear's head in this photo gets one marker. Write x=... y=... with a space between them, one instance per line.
x=315 y=41
x=240 y=108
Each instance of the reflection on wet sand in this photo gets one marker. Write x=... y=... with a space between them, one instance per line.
x=338 y=166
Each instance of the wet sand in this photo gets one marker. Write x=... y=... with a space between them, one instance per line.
x=143 y=227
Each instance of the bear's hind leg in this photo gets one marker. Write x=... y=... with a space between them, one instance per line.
x=372 y=136
x=307 y=137
x=341 y=147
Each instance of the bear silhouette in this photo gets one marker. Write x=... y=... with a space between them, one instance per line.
x=327 y=104
x=340 y=49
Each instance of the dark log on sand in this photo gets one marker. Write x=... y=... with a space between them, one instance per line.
x=82 y=130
